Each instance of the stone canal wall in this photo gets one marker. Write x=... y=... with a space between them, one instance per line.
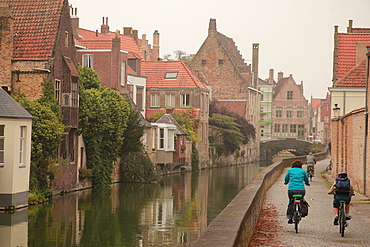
x=235 y=225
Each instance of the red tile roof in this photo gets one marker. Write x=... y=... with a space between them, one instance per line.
x=356 y=77
x=315 y=103
x=92 y=40
x=347 y=44
x=156 y=72
x=36 y=24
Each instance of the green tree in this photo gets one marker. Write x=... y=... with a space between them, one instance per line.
x=47 y=133
x=103 y=120
x=88 y=78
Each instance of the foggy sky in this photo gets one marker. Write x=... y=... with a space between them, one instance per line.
x=295 y=36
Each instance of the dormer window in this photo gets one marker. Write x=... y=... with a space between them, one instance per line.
x=171 y=75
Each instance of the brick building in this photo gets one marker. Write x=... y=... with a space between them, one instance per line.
x=320 y=115
x=220 y=67
x=266 y=87
x=289 y=109
x=37 y=43
x=171 y=85
x=349 y=68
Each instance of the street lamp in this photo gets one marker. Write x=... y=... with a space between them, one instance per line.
x=336 y=111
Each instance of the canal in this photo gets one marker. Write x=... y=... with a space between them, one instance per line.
x=173 y=212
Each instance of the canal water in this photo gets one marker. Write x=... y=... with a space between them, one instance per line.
x=173 y=212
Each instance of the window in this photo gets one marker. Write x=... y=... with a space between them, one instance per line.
x=171 y=75
x=170 y=100
x=289 y=94
x=185 y=100
x=171 y=140
x=301 y=131
x=57 y=90
x=132 y=64
x=279 y=111
x=204 y=62
x=22 y=145
x=2 y=144
x=299 y=112
x=74 y=94
x=66 y=99
x=123 y=73
x=276 y=130
x=155 y=100
x=88 y=60
x=130 y=89
x=261 y=97
x=139 y=97
x=161 y=138
x=284 y=130
x=289 y=112
x=220 y=61
x=293 y=130
x=66 y=38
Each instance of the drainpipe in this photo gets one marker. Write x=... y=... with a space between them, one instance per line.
x=366 y=118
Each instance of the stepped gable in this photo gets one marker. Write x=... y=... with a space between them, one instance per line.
x=356 y=77
x=347 y=54
x=9 y=108
x=156 y=72
x=36 y=25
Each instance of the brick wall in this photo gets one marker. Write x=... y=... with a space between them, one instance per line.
x=347 y=149
x=6 y=45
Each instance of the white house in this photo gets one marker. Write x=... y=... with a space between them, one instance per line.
x=15 y=152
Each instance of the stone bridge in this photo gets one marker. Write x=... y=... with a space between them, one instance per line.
x=269 y=149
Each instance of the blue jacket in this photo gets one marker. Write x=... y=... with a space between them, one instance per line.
x=296 y=178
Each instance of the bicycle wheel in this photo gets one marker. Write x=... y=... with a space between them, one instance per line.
x=296 y=219
x=342 y=219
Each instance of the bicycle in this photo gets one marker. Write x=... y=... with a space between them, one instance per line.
x=297 y=214
x=342 y=217
x=310 y=172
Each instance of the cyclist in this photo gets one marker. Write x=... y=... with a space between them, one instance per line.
x=344 y=194
x=310 y=162
x=296 y=177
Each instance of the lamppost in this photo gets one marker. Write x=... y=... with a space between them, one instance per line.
x=336 y=111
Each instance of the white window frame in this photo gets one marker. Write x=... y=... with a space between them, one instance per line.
x=170 y=100
x=22 y=145
x=57 y=90
x=2 y=145
x=185 y=100
x=155 y=100
x=88 y=60
x=171 y=75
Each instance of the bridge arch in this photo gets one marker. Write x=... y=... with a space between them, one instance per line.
x=269 y=149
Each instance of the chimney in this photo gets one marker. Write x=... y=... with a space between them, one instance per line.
x=116 y=63
x=255 y=64
x=104 y=27
x=127 y=31
x=335 y=55
x=143 y=37
x=349 y=28
x=280 y=76
x=271 y=77
x=75 y=23
x=212 y=26
x=135 y=36
x=155 y=52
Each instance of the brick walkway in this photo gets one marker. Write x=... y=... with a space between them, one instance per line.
x=317 y=228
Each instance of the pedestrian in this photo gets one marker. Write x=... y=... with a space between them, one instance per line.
x=310 y=162
x=343 y=191
x=296 y=177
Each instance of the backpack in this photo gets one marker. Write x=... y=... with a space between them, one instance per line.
x=342 y=185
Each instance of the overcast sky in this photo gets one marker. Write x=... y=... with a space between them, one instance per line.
x=295 y=36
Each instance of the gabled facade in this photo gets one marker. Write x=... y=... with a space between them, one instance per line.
x=320 y=120
x=37 y=43
x=289 y=109
x=15 y=152
x=234 y=83
x=171 y=85
x=266 y=87
x=349 y=68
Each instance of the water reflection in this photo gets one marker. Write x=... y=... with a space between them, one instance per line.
x=173 y=212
